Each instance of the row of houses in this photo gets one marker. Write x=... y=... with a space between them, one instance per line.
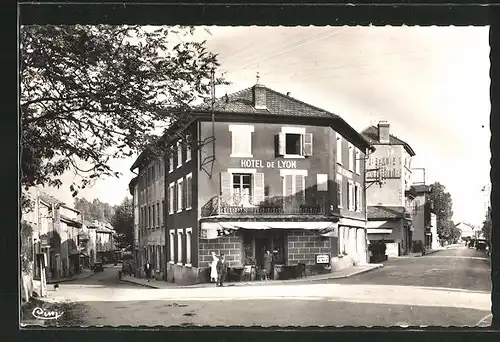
x=63 y=241
x=259 y=170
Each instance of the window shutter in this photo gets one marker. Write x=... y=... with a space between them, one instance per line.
x=307 y=144
x=225 y=185
x=300 y=188
x=282 y=144
x=288 y=185
x=184 y=194
x=258 y=188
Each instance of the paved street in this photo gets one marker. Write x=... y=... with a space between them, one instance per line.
x=447 y=288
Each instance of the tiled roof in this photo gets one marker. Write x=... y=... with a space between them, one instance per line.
x=276 y=104
x=371 y=134
x=383 y=212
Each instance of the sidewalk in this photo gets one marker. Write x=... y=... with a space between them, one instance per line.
x=352 y=271
x=85 y=273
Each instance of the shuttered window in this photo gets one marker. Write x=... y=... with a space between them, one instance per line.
x=294 y=144
x=180 y=191
x=351 y=157
x=189 y=190
x=358 y=161
x=294 y=188
x=350 y=194
x=338 y=181
x=172 y=245
x=242 y=189
x=171 y=195
x=241 y=140
x=339 y=149
x=179 y=154
x=188 y=148
x=357 y=195
x=188 y=246
x=179 y=247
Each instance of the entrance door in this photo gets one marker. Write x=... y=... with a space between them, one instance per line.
x=261 y=245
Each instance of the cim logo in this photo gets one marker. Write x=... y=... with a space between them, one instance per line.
x=46 y=314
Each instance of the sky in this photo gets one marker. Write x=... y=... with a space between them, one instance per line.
x=430 y=83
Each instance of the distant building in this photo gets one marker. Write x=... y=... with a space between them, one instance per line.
x=424 y=219
x=467 y=230
x=388 y=216
x=104 y=243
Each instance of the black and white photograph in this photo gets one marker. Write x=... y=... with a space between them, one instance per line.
x=254 y=176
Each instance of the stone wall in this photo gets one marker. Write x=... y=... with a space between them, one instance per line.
x=230 y=245
x=304 y=245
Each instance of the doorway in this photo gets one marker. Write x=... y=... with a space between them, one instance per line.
x=262 y=244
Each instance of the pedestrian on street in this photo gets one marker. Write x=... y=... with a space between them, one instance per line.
x=147 y=269
x=221 y=270
x=213 y=268
x=268 y=262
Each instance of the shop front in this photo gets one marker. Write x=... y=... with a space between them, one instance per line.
x=294 y=247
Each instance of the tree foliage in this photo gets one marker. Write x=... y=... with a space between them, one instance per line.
x=487 y=225
x=95 y=210
x=123 y=223
x=89 y=94
x=442 y=205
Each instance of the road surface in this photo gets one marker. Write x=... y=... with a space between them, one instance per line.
x=447 y=288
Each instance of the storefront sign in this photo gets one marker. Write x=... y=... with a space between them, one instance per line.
x=44 y=241
x=269 y=164
x=323 y=259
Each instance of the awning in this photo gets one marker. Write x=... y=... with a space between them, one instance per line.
x=211 y=230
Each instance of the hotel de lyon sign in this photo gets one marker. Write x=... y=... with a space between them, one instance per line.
x=266 y=164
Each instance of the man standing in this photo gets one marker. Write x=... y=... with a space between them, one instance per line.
x=268 y=262
x=221 y=270
x=147 y=269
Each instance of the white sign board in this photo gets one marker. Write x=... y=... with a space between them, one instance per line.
x=323 y=259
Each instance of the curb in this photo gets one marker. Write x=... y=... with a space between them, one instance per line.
x=69 y=279
x=358 y=272
x=150 y=285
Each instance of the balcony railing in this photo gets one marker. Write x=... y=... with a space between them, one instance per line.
x=249 y=205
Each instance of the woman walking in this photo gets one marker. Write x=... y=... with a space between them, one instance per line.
x=213 y=268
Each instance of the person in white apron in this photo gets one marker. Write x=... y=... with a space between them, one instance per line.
x=213 y=268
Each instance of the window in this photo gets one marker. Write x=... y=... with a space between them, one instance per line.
x=188 y=246
x=242 y=189
x=179 y=195
x=351 y=157
x=170 y=161
x=148 y=217
x=154 y=216
x=350 y=195
x=188 y=148
x=294 y=142
x=241 y=140
x=189 y=190
x=162 y=211
x=322 y=181
x=179 y=154
x=339 y=149
x=338 y=181
x=158 y=214
x=358 y=161
x=357 y=197
x=172 y=245
x=179 y=246
x=294 y=186
x=171 y=193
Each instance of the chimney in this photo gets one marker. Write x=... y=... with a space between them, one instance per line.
x=259 y=95
x=383 y=132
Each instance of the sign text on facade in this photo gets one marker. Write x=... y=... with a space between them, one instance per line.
x=258 y=163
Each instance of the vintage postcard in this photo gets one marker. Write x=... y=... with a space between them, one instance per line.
x=255 y=176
